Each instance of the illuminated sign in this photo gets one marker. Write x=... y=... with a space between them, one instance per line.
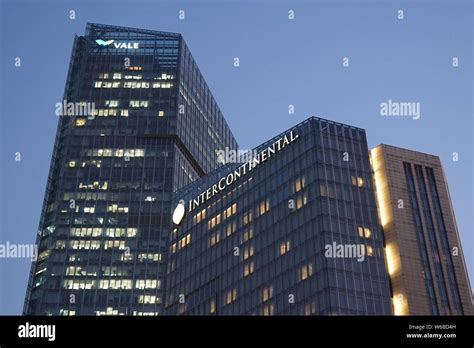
x=232 y=177
x=127 y=45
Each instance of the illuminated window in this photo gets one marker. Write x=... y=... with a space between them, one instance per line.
x=230 y=296
x=111 y=103
x=268 y=309
x=230 y=211
x=114 y=208
x=357 y=181
x=299 y=184
x=305 y=271
x=79 y=284
x=230 y=228
x=89 y=209
x=370 y=250
x=248 y=252
x=216 y=220
x=267 y=293
x=247 y=218
x=309 y=308
x=301 y=200
x=248 y=268
x=115 y=284
x=212 y=306
x=214 y=239
x=263 y=207
x=139 y=103
x=247 y=235
x=199 y=216
x=155 y=257
x=146 y=299
x=114 y=244
x=364 y=232
x=117 y=76
x=284 y=247
x=104 y=76
x=85 y=244
x=161 y=113
x=124 y=112
x=147 y=284
x=79 y=122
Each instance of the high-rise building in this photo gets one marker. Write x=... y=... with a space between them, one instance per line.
x=424 y=255
x=290 y=228
x=137 y=123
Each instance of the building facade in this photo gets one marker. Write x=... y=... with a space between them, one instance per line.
x=137 y=123
x=290 y=230
x=424 y=255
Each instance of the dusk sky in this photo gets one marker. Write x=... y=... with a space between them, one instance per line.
x=282 y=62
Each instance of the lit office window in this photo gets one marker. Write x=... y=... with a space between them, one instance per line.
x=78 y=284
x=305 y=271
x=85 y=244
x=148 y=299
x=117 y=76
x=301 y=200
x=216 y=220
x=230 y=296
x=263 y=207
x=267 y=293
x=370 y=250
x=230 y=228
x=299 y=184
x=161 y=113
x=247 y=235
x=111 y=103
x=214 y=239
x=199 y=216
x=125 y=284
x=357 y=181
x=364 y=232
x=309 y=308
x=248 y=252
x=147 y=284
x=248 y=268
x=212 y=306
x=139 y=103
x=247 y=218
x=80 y=122
x=268 y=309
x=284 y=247
x=72 y=164
x=155 y=257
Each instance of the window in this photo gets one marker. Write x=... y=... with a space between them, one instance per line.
x=247 y=218
x=147 y=284
x=199 y=216
x=370 y=250
x=111 y=103
x=214 y=239
x=248 y=268
x=230 y=296
x=284 y=247
x=357 y=181
x=212 y=306
x=72 y=164
x=248 y=252
x=267 y=293
x=230 y=228
x=161 y=113
x=364 y=232
x=264 y=207
x=299 y=184
x=305 y=271
x=117 y=76
x=146 y=299
x=268 y=309
x=80 y=122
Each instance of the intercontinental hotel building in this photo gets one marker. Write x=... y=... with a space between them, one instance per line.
x=141 y=217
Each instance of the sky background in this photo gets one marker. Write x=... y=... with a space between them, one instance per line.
x=282 y=62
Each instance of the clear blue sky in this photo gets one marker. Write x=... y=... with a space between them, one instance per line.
x=282 y=62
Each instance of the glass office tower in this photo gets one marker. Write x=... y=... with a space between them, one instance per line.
x=291 y=229
x=138 y=122
x=424 y=254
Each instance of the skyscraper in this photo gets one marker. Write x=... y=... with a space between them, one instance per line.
x=137 y=123
x=290 y=229
x=424 y=255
